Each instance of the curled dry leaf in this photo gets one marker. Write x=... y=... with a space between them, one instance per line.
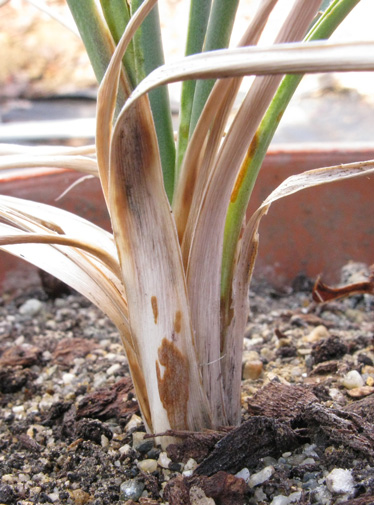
x=323 y=293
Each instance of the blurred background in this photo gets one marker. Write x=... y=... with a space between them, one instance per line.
x=45 y=77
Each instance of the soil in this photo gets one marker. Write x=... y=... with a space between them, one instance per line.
x=70 y=430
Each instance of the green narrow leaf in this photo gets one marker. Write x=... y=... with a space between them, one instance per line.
x=197 y=25
x=117 y=15
x=324 y=27
x=149 y=55
x=219 y=30
x=94 y=33
x=97 y=40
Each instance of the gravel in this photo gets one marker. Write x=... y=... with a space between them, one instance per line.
x=70 y=431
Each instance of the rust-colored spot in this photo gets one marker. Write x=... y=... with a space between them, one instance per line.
x=280 y=115
x=154 y=308
x=243 y=169
x=178 y=321
x=173 y=385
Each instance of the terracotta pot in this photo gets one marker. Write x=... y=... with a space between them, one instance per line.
x=313 y=232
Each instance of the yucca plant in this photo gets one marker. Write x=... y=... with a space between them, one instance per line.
x=174 y=275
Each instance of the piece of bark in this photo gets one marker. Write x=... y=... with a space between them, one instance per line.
x=361 y=500
x=19 y=355
x=326 y=367
x=28 y=443
x=328 y=349
x=70 y=348
x=93 y=430
x=300 y=319
x=342 y=427
x=195 y=445
x=224 y=488
x=256 y=438
x=280 y=401
x=12 y=379
x=116 y=401
x=363 y=408
x=177 y=491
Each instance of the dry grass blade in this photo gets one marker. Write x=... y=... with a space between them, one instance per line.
x=203 y=239
x=298 y=58
x=249 y=243
x=82 y=164
x=210 y=126
x=38 y=218
x=235 y=148
x=153 y=274
x=7 y=149
x=34 y=238
x=323 y=293
x=107 y=94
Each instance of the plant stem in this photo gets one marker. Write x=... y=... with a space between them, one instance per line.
x=218 y=35
x=322 y=29
x=197 y=25
x=149 y=55
x=117 y=15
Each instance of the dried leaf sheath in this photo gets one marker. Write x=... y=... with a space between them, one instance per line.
x=153 y=275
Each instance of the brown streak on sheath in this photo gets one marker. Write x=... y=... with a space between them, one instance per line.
x=243 y=169
x=173 y=387
x=154 y=308
x=178 y=321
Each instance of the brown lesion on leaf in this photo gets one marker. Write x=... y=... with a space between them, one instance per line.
x=154 y=308
x=178 y=321
x=173 y=386
x=243 y=169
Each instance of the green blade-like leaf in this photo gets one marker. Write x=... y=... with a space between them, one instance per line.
x=117 y=16
x=149 y=55
x=218 y=35
x=197 y=24
x=324 y=27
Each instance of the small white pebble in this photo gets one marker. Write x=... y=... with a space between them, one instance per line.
x=134 y=423
x=104 y=441
x=125 y=449
x=163 y=460
x=112 y=370
x=243 y=474
x=295 y=497
x=190 y=465
x=260 y=495
x=31 y=307
x=54 y=497
x=280 y=500
x=18 y=409
x=353 y=380
x=68 y=378
x=340 y=481
x=261 y=477
x=147 y=465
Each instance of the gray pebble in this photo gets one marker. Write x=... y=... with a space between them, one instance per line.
x=131 y=490
x=31 y=307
